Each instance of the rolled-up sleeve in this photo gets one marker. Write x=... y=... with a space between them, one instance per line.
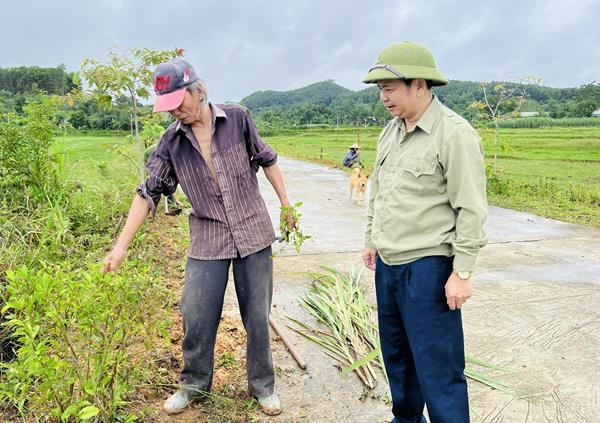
x=259 y=152
x=161 y=177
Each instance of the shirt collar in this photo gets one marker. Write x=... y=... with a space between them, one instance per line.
x=216 y=112
x=426 y=121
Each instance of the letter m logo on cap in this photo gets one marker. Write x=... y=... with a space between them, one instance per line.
x=161 y=83
x=170 y=81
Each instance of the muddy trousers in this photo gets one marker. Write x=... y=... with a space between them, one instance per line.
x=201 y=307
x=421 y=341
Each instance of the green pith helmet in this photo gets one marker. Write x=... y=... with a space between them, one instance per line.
x=406 y=60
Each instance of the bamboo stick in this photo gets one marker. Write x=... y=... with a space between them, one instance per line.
x=287 y=343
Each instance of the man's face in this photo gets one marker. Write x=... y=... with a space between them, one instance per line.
x=397 y=97
x=189 y=110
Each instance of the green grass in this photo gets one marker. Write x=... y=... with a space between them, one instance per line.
x=545 y=121
x=558 y=170
x=552 y=172
x=564 y=144
x=90 y=158
x=91 y=147
x=326 y=146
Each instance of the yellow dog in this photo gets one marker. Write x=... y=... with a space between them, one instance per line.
x=358 y=182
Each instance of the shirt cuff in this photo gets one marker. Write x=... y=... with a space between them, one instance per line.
x=464 y=262
x=142 y=191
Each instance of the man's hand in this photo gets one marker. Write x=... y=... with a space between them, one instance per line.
x=369 y=256
x=113 y=260
x=458 y=291
x=287 y=220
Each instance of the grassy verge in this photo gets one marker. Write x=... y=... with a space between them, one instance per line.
x=76 y=334
x=551 y=172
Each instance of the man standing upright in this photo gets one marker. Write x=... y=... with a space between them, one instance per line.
x=426 y=213
x=213 y=152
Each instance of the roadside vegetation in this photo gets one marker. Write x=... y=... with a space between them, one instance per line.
x=71 y=338
x=76 y=345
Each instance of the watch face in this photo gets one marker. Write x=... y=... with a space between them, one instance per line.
x=464 y=275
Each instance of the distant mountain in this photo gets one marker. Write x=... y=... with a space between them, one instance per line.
x=325 y=93
x=457 y=95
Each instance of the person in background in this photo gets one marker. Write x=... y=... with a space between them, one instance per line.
x=425 y=219
x=352 y=156
x=213 y=152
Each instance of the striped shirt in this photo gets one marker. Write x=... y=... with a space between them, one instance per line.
x=229 y=219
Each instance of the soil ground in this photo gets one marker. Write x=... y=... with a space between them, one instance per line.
x=535 y=312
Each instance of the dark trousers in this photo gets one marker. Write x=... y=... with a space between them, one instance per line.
x=201 y=307
x=421 y=341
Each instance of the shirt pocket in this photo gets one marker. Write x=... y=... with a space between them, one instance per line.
x=418 y=167
x=420 y=175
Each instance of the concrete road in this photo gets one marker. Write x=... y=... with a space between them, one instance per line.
x=536 y=311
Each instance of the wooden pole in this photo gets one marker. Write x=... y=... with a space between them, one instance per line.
x=287 y=343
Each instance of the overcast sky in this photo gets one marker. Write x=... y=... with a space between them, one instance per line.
x=239 y=47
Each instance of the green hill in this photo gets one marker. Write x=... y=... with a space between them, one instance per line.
x=323 y=93
x=326 y=102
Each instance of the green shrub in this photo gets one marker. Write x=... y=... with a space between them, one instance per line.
x=583 y=194
x=77 y=333
x=497 y=183
x=543 y=187
x=30 y=171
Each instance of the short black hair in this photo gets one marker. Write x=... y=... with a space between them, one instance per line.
x=408 y=81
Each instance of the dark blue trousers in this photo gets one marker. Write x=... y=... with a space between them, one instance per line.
x=421 y=341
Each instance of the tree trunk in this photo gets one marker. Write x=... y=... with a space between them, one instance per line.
x=495 y=144
x=138 y=141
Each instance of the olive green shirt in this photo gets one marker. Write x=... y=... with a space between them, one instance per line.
x=428 y=191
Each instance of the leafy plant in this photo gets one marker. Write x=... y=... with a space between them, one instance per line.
x=29 y=166
x=497 y=183
x=77 y=333
x=337 y=301
x=291 y=232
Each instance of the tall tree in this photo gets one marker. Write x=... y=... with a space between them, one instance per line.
x=586 y=101
x=128 y=74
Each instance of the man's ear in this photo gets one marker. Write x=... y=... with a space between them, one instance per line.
x=421 y=86
x=421 y=83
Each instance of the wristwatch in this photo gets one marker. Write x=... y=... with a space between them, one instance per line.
x=463 y=274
